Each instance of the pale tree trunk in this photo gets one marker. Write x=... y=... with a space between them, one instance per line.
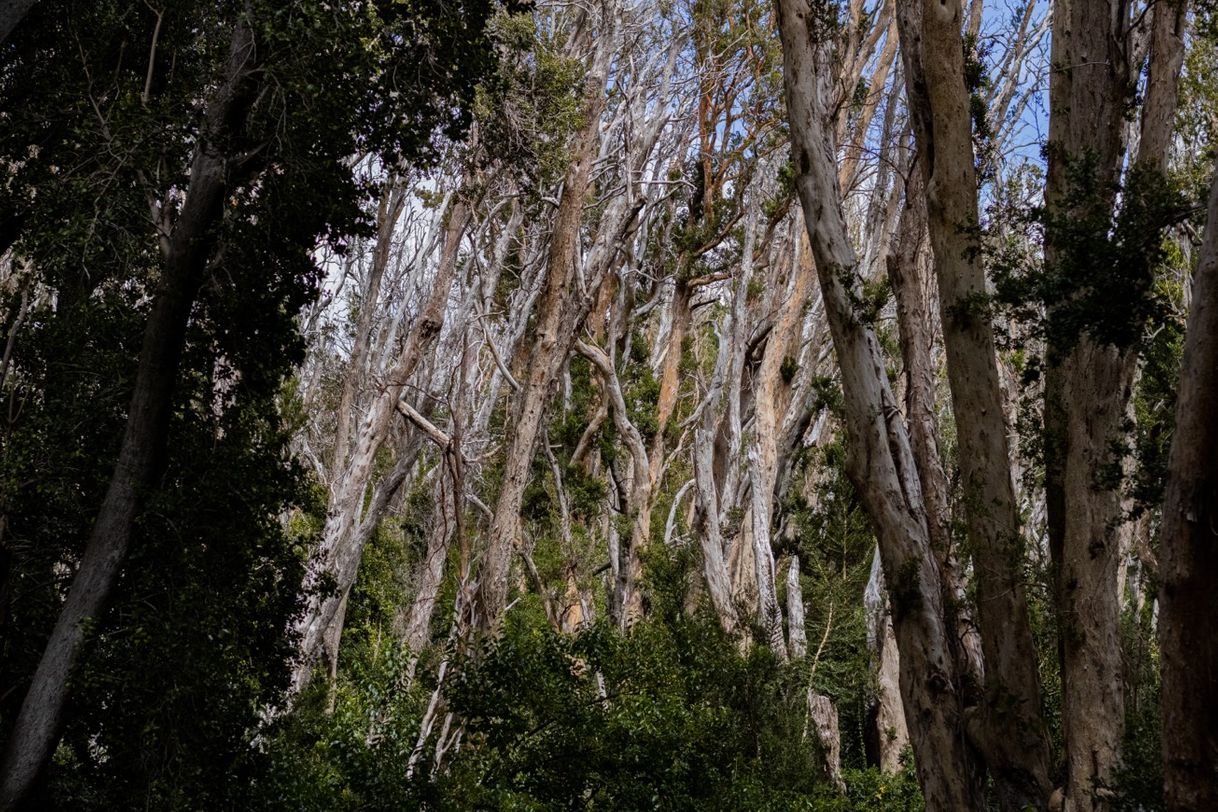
x=890 y=719
x=879 y=463
x=716 y=451
x=879 y=77
x=639 y=499
x=389 y=211
x=427 y=591
x=908 y=274
x=823 y=718
x=797 y=631
x=891 y=731
x=710 y=533
x=185 y=252
x=1014 y=740
x=1087 y=385
x=769 y=399
x=341 y=548
x=1188 y=569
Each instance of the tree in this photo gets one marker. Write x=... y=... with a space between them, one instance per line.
x=227 y=159
x=881 y=464
x=1103 y=234
x=1013 y=739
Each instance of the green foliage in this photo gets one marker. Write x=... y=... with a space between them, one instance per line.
x=1154 y=405
x=98 y=124
x=1102 y=282
x=835 y=544
x=532 y=106
x=669 y=716
x=788 y=369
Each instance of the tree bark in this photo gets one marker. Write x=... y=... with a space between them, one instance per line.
x=1162 y=82
x=823 y=717
x=1015 y=744
x=879 y=463
x=908 y=274
x=1188 y=563
x=1087 y=386
x=185 y=255
x=797 y=631
x=556 y=323
x=638 y=501
x=710 y=534
x=341 y=548
x=769 y=399
x=891 y=730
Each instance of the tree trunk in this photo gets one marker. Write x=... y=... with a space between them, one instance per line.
x=638 y=500
x=770 y=395
x=1162 y=82
x=710 y=533
x=823 y=718
x=555 y=331
x=891 y=731
x=342 y=548
x=389 y=211
x=797 y=631
x=418 y=626
x=1015 y=743
x=908 y=274
x=1087 y=385
x=1188 y=563
x=879 y=461
x=12 y=12
x=185 y=255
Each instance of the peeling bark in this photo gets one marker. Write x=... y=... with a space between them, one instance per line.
x=880 y=463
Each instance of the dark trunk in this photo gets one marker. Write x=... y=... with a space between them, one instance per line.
x=1188 y=563
x=36 y=729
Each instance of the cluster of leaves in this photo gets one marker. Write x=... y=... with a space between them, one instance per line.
x=530 y=108
x=1107 y=251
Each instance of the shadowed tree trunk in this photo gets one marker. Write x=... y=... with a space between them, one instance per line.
x=1188 y=562
x=185 y=252
x=1088 y=378
x=12 y=12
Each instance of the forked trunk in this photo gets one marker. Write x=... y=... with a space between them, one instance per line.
x=880 y=463
x=1014 y=740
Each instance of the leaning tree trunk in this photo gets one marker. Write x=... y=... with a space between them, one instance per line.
x=770 y=395
x=880 y=463
x=342 y=547
x=1012 y=736
x=185 y=254
x=1188 y=562
x=550 y=348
